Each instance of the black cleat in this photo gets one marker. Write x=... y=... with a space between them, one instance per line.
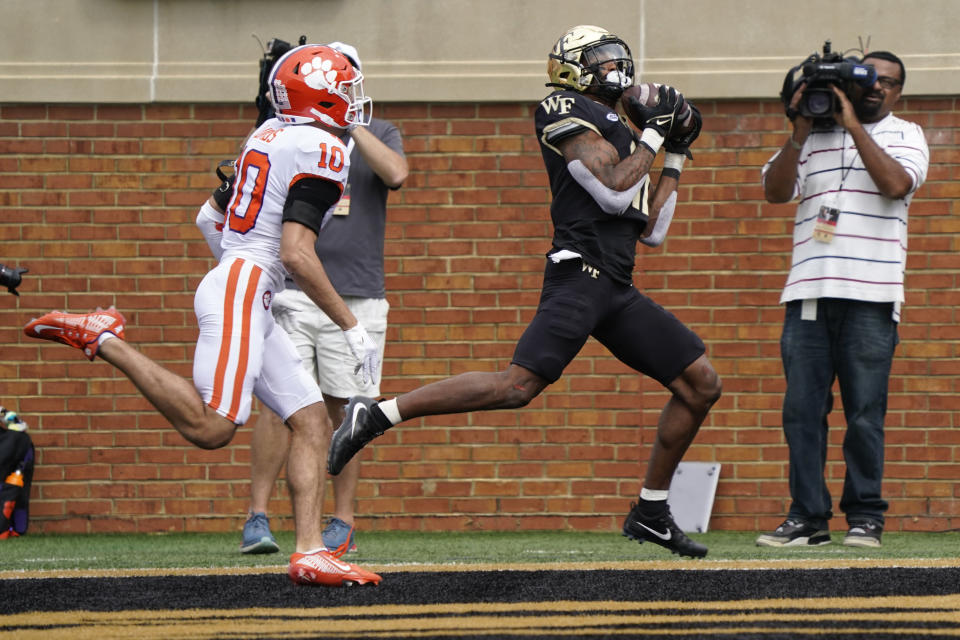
x=356 y=430
x=661 y=530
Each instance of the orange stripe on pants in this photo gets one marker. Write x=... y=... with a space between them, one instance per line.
x=223 y=359
x=244 y=358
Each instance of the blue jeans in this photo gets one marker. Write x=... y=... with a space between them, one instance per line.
x=853 y=342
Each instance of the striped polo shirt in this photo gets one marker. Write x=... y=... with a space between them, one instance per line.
x=868 y=255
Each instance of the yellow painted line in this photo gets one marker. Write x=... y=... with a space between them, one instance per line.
x=837 y=616
x=689 y=565
x=631 y=565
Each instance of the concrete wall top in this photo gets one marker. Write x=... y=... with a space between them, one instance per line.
x=119 y=51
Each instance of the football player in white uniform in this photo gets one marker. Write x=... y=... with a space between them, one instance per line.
x=290 y=175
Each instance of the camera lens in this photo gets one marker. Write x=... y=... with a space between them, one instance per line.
x=819 y=103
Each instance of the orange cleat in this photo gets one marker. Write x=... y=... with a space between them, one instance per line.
x=79 y=330
x=323 y=569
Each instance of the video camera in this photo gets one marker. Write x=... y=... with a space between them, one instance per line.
x=818 y=73
x=274 y=51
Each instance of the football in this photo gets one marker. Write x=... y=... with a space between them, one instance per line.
x=647 y=94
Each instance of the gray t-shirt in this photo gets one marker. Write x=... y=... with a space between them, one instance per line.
x=351 y=246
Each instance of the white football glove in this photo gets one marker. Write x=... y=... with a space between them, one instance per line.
x=366 y=351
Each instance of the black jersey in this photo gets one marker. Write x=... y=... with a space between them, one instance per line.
x=605 y=241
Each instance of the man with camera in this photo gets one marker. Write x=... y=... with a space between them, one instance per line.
x=854 y=172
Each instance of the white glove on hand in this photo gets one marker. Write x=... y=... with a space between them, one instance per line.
x=365 y=350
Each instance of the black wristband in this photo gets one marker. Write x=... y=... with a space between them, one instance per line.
x=648 y=147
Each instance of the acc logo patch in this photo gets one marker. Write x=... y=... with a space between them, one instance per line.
x=612 y=117
x=267 y=298
x=280 y=94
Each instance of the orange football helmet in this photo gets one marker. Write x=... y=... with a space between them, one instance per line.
x=314 y=83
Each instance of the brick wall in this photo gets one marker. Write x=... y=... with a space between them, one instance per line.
x=99 y=201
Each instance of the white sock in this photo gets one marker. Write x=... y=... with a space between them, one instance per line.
x=103 y=337
x=390 y=410
x=654 y=494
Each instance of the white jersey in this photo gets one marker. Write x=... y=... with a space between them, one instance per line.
x=275 y=157
x=241 y=350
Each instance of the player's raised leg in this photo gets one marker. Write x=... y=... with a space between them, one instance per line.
x=364 y=419
x=101 y=333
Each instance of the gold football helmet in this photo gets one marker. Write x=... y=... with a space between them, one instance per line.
x=575 y=62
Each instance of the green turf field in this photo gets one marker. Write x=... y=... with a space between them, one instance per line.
x=186 y=550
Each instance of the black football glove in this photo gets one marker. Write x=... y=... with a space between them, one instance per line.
x=680 y=143
x=658 y=117
x=224 y=192
x=10 y=278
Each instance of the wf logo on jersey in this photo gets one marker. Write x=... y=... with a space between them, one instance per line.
x=560 y=104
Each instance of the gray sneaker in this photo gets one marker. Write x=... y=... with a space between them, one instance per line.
x=863 y=534
x=338 y=538
x=256 y=535
x=794 y=533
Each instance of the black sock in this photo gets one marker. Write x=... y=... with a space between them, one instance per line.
x=651 y=508
x=377 y=420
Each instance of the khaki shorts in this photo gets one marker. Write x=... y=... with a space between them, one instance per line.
x=323 y=349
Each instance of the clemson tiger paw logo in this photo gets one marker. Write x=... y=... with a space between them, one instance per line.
x=318 y=73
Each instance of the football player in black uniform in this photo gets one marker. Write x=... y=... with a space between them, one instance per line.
x=603 y=204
